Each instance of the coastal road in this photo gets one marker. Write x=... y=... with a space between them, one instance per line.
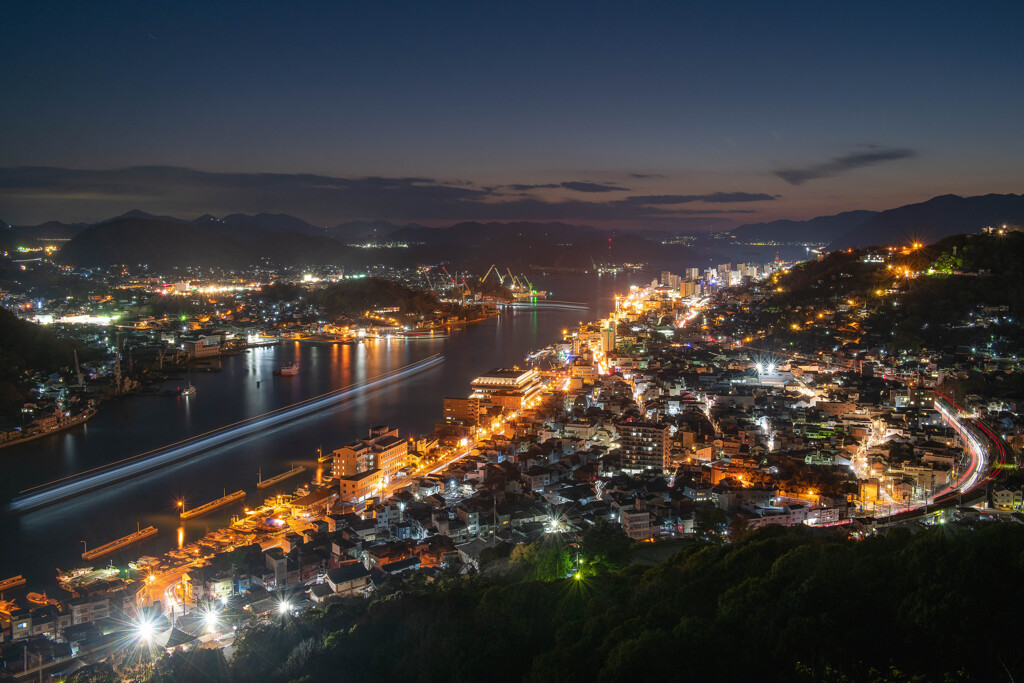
x=157 y=585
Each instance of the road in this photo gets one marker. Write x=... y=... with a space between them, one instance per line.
x=984 y=449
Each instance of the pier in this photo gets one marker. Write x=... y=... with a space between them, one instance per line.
x=212 y=505
x=264 y=483
x=12 y=582
x=119 y=543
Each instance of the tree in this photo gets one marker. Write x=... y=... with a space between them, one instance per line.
x=544 y=560
x=95 y=673
x=739 y=528
x=605 y=547
x=708 y=520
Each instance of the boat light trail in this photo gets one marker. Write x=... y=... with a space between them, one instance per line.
x=83 y=482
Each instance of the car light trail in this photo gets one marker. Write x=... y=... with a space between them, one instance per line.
x=90 y=480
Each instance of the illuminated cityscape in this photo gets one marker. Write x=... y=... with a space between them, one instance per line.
x=511 y=343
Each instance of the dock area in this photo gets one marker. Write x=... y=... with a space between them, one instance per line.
x=212 y=505
x=119 y=543
x=264 y=483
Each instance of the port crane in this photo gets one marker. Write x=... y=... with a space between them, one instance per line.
x=493 y=269
x=517 y=282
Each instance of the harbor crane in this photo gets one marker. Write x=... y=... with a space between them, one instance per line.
x=494 y=269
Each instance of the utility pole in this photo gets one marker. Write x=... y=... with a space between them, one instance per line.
x=78 y=369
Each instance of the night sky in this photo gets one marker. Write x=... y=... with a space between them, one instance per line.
x=666 y=115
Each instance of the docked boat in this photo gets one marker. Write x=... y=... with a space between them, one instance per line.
x=288 y=370
x=63 y=576
x=41 y=599
x=81 y=578
x=188 y=390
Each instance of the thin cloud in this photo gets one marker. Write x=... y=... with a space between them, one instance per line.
x=578 y=186
x=713 y=198
x=843 y=164
x=574 y=185
x=520 y=187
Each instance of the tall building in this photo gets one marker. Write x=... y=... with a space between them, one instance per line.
x=462 y=411
x=608 y=340
x=644 y=445
x=383 y=450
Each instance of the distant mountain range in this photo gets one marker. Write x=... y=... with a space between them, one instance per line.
x=163 y=242
x=926 y=222
x=240 y=239
x=822 y=229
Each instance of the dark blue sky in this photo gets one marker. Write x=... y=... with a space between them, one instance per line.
x=632 y=114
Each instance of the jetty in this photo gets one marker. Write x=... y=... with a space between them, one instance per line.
x=212 y=505
x=264 y=483
x=12 y=582
x=119 y=543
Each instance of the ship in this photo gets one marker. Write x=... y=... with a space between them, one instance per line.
x=63 y=576
x=41 y=599
x=189 y=390
x=288 y=370
x=80 y=578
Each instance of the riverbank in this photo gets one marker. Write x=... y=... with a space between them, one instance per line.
x=61 y=425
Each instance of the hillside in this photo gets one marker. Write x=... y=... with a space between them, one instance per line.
x=157 y=242
x=161 y=243
x=965 y=290
x=822 y=229
x=777 y=605
x=363 y=231
x=934 y=219
x=24 y=348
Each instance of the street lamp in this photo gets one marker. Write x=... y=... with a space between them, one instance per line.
x=144 y=630
x=210 y=619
